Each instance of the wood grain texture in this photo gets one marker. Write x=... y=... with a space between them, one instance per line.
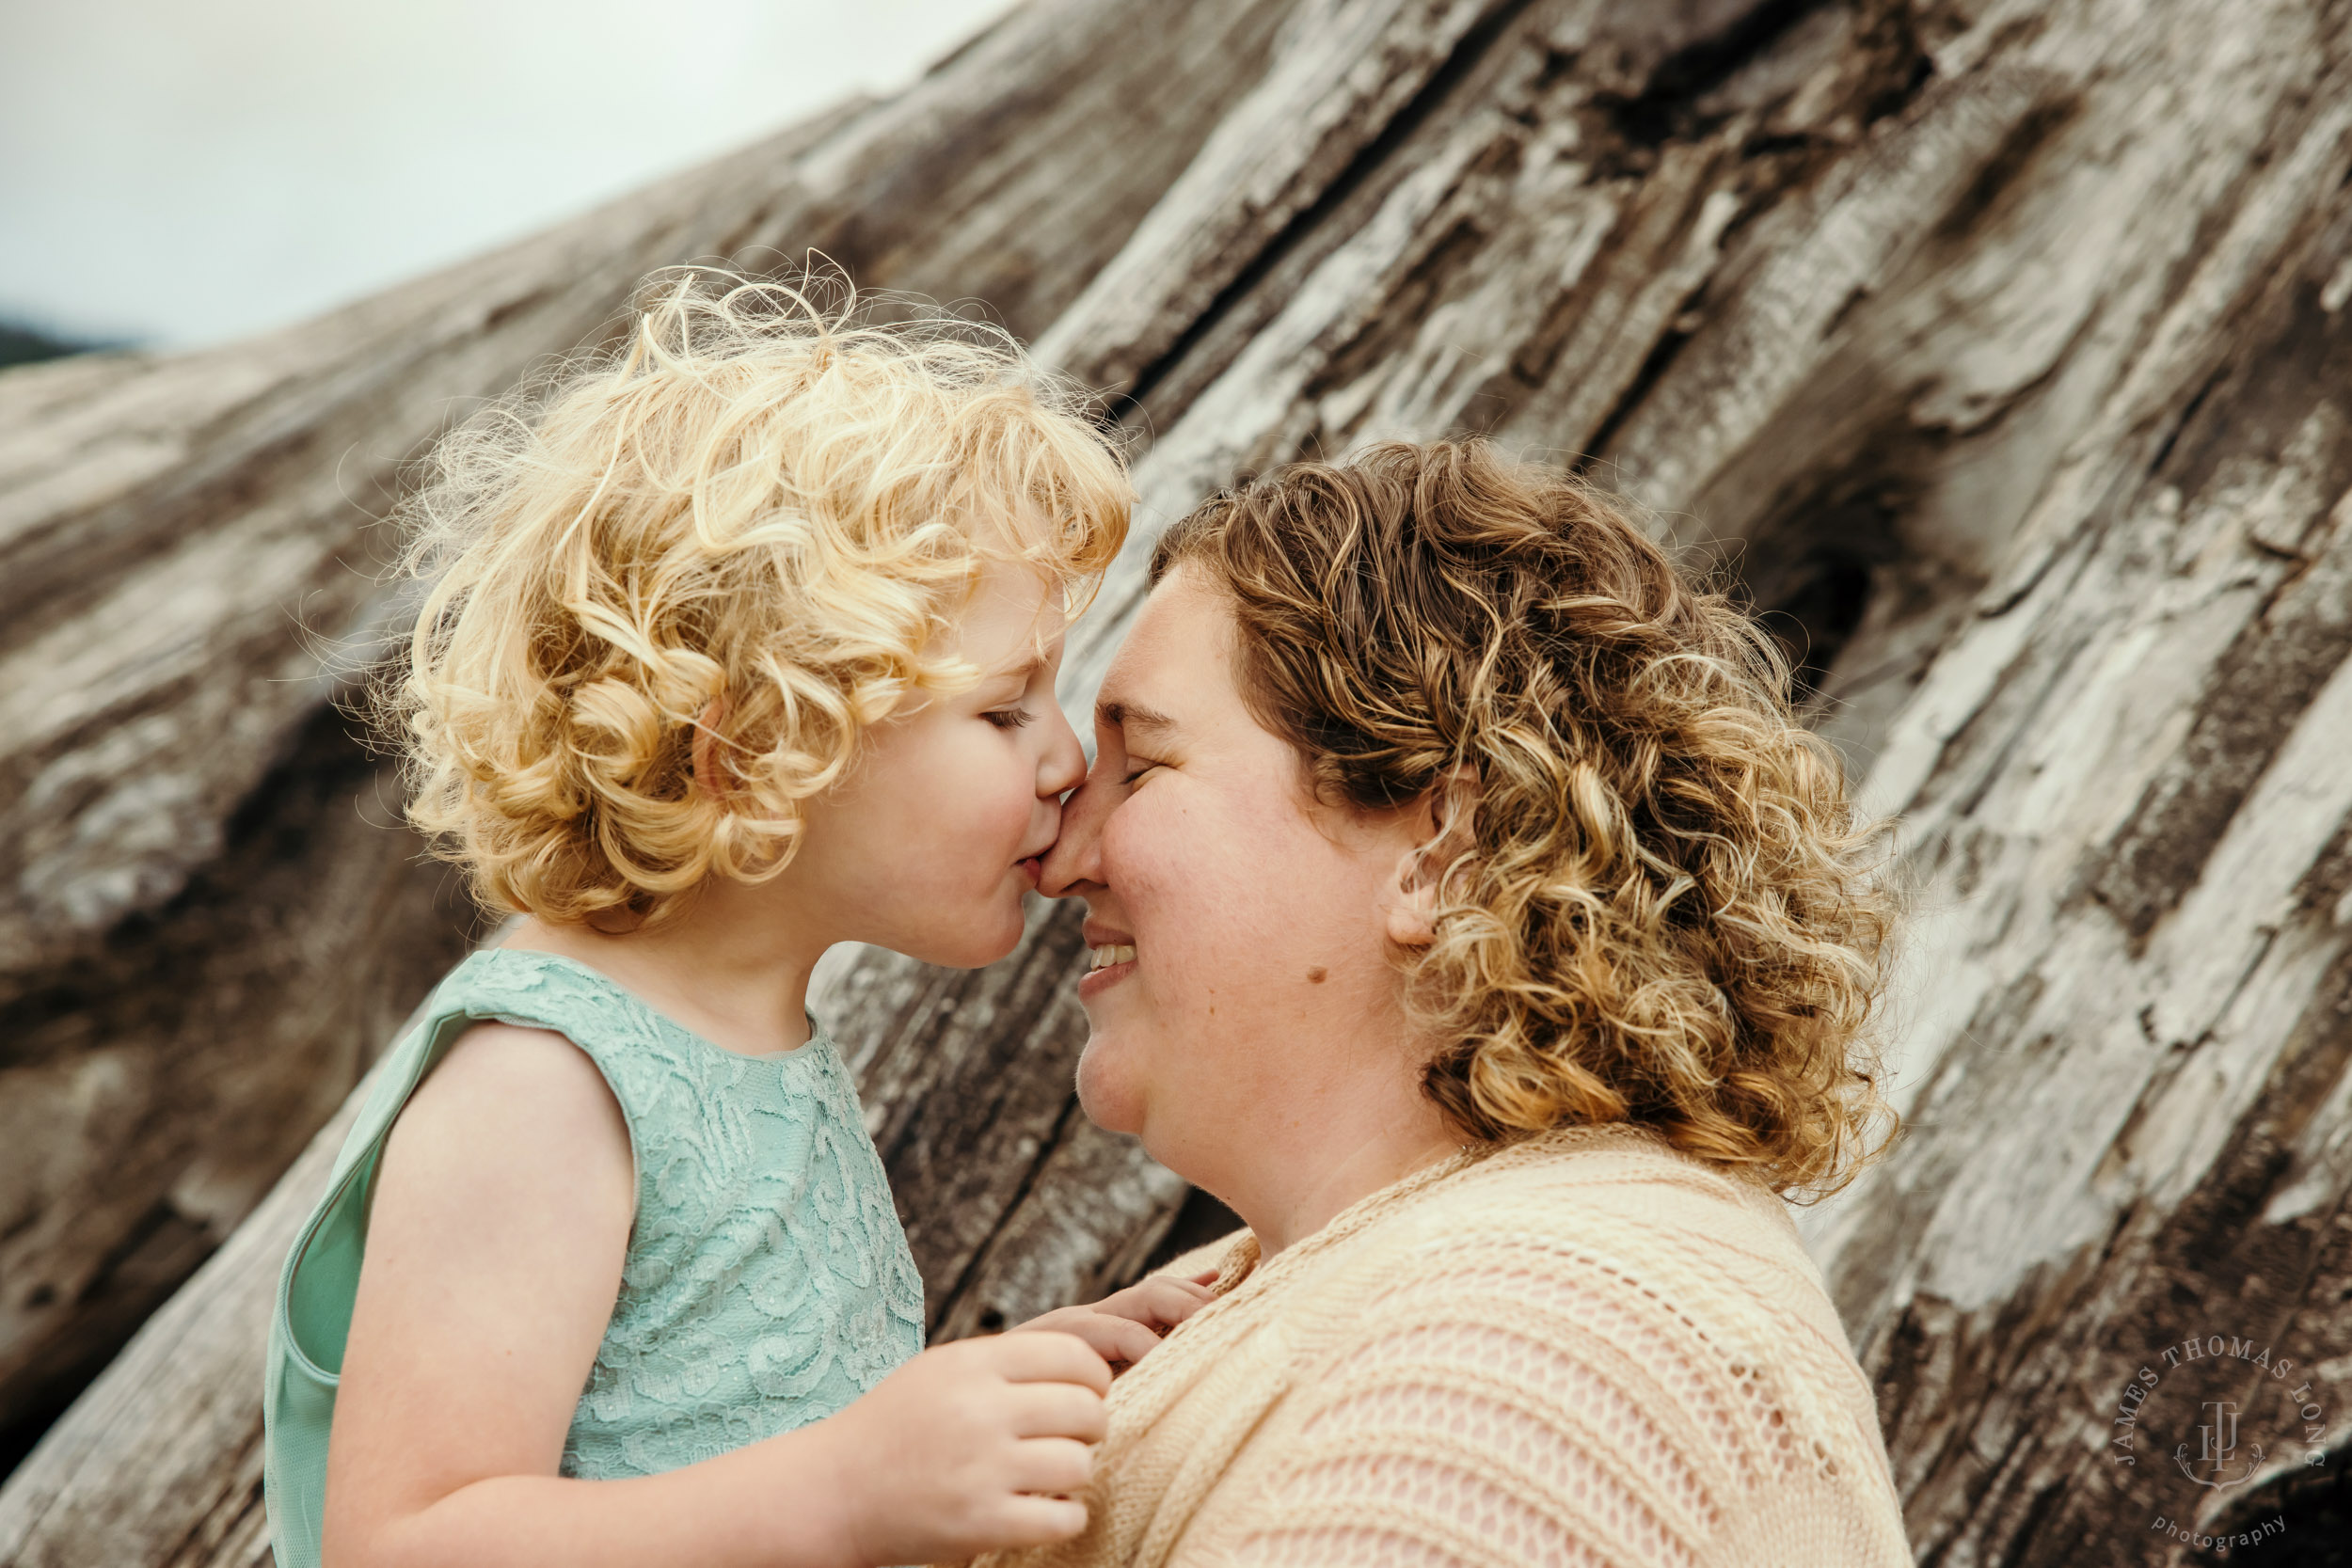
x=161 y=1461
x=1998 y=345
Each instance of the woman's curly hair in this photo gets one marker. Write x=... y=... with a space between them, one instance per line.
x=754 y=519
x=1659 y=906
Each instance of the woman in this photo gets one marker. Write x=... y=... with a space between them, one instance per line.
x=1470 y=914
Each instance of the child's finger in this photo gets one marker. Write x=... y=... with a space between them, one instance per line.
x=1109 y=1336
x=1050 y=1355
x=1027 y=1521
x=1164 y=1300
x=1114 y=1339
x=1052 y=1464
x=1058 y=1410
x=1195 y=1291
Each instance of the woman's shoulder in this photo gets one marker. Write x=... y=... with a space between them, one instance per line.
x=1588 y=1334
x=1617 y=1177
x=1612 y=1232
x=1606 y=1284
x=1217 y=1255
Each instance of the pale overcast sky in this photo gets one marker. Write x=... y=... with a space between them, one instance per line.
x=180 y=172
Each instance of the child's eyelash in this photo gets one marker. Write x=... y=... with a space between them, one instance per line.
x=1011 y=719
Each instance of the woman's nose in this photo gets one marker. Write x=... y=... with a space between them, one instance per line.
x=1074 y=863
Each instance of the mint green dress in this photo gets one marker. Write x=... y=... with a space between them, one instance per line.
x=767 y=1284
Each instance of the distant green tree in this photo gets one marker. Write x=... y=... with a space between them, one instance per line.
x=23 y=345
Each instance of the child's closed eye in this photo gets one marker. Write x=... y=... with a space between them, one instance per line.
x=1009 y=717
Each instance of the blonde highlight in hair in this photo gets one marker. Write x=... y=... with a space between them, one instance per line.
x=752 y=521
x=1660 y=908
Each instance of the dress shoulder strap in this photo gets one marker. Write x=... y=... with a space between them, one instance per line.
x=645 y=1058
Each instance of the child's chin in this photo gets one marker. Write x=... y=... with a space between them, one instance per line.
x=979 y=947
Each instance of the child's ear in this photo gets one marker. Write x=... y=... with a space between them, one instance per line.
x=1439 y=833
x=710 y=773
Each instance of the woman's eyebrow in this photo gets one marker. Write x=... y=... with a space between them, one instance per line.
x=1129 y=717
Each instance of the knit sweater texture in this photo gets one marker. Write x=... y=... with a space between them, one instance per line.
x=1584 y=1349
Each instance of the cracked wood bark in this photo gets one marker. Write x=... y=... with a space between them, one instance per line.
x=2004 y=345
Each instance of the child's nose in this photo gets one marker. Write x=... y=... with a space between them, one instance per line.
x=1064 y=763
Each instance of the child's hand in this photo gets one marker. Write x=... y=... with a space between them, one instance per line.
x=972 y=1447
x=1124 y=1326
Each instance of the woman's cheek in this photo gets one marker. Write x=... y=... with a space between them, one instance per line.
x=1144 y=852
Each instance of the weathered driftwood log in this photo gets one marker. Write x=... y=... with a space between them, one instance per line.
x=2004 y=345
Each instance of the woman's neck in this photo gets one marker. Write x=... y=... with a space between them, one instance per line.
x=732 y=965
x=1297 y=1167
x=1355 y=1175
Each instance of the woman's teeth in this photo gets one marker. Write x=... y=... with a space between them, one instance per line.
x=1106 y=957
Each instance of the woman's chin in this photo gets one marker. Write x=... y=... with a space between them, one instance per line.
x=1107 y=1095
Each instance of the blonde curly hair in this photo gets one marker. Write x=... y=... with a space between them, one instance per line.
x=1659 y=907
x=753 y=518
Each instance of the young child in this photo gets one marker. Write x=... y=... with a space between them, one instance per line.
x=740 y=642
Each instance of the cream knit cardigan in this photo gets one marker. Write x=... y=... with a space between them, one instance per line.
x=1585 y=1349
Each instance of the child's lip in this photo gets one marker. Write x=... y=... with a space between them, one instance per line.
x=1034 y=868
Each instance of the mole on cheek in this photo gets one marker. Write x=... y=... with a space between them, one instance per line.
x=1315 y=975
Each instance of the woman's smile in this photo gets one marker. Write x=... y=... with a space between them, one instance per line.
x=1110 y=959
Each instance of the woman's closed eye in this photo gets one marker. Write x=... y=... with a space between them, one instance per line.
x=1138 y=766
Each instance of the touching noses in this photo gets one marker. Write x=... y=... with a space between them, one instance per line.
x=1074 y=865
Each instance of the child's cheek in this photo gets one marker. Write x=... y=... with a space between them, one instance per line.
x=993 y=806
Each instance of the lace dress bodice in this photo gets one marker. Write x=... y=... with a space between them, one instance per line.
x=767 y=1283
